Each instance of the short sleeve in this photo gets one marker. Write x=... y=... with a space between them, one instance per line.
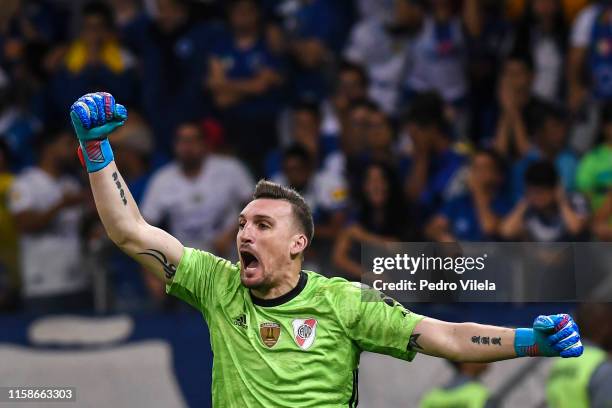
x=583 y=25
x=20 y=197
x=380 y=324
x=196 y=276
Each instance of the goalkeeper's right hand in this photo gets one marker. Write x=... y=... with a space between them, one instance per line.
x=93 y=117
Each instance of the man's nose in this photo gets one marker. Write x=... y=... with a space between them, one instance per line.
x=245 y=235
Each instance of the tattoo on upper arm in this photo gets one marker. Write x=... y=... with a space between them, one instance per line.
x=169 y=269
x=412 y=343
x=496 y=341
x=119 y=187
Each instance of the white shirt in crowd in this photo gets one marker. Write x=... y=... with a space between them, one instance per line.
x=583 y=26
x=380 y=9
x=198 y=209
x=548 y=62
x=438 y=67
x=50 y=259
x=384 y=57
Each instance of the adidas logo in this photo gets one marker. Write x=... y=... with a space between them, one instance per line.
x=240 y=321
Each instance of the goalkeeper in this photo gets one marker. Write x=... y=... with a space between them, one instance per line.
x=283 y=337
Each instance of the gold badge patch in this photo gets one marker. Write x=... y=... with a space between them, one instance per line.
x=269 y=332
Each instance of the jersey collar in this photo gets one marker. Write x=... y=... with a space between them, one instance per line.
x=284 y=298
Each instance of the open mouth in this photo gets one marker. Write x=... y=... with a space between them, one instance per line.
x=249 y=260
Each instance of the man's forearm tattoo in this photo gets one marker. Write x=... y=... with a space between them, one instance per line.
x=412 y=343
x=169 y=269
x=496 y=341
x=119 y=187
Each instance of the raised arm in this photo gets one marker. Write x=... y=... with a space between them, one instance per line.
x=94 y=116
x=550 y=336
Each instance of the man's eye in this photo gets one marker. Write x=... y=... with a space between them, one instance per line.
x=263 y=225
x=241 y=225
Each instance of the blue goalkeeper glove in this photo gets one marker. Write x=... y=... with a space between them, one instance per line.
x=94 y=116
x=551 y=336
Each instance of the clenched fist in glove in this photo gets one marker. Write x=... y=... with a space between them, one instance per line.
x=93 y=117
x=551 y=336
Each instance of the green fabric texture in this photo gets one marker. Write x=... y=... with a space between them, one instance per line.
x=569 y=379
x=258 y=361
x=469 y=395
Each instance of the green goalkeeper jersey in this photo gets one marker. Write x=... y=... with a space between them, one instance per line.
x=299 y=350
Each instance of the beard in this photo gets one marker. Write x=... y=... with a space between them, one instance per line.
x=259 y=284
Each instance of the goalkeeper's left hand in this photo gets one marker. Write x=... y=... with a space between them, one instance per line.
x=551 y=336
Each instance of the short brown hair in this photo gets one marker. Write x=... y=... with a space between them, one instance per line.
x=268 y=189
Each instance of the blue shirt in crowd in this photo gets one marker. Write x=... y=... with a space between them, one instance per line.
x=246 y=63
x=463 y=219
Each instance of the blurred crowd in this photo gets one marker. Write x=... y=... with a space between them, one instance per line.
x=409 y=120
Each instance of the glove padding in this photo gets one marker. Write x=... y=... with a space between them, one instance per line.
x=95 y=115
x=551 y=336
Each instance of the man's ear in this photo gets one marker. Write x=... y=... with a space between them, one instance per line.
x=298 y=244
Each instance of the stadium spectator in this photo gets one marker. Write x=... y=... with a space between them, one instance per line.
x=515 y=101
x=173 y=50
x=543 y=33
x=325 y=192
x=438 y=53
x=94 y=60
x=547 y=127
x=244 y=78
x=314 y=30
x=476 y=214
x=383 y=49
x=368 y=136
x=594 y=174
x=305 y=129
x=464 y=389
x=198 y=195
x=434 y=164
x=29 y=30
x=366 y=127
x=546 y=213
x=130 y=22
x=381 y=138
x=47 y=205
x=320 y=21
x=18 y=127
x=487 y=45
x=590 y=58
x=9 y=272
x=350 y=85
x=380 y=215
x=375 y=9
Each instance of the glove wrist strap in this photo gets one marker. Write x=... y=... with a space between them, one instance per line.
x=524 y=343
x=95 y=154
